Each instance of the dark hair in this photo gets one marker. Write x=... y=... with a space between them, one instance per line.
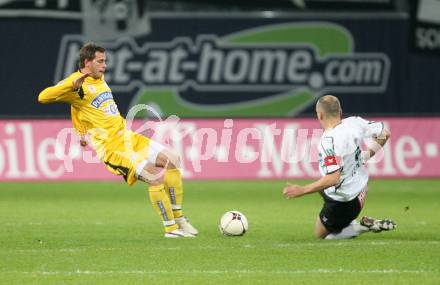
x=88 y=52
x=330 y=105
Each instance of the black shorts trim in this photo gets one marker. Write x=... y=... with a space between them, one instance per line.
x=122 y=170
x=336 y=215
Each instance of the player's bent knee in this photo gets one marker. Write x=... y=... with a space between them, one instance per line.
x=174 y=161
x=320 y=235
x=320 y=231
x=168 y=159
x=151 y=174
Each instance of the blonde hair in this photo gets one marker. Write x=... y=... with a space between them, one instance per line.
x=330 y=105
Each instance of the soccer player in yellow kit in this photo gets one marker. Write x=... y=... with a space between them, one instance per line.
x=134 y=156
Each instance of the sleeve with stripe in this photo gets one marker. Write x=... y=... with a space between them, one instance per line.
x=331 y=159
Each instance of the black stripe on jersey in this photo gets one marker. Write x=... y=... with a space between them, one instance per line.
x=81 y=92
x=122 y=170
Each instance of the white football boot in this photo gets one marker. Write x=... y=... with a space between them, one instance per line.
x=185 y=225
x=178 y=233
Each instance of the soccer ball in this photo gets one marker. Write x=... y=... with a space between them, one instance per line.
x=233 y=223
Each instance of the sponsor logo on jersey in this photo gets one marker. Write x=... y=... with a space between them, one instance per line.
x=101 y=98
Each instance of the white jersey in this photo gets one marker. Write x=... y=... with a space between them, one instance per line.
x=340 y=149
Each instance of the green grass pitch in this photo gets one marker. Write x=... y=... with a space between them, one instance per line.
x=107 y=233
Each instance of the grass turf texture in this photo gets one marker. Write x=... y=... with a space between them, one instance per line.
x=107 y=233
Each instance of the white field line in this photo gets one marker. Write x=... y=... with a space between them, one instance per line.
x=245 y=246
x=31 y=250
x=221 y=272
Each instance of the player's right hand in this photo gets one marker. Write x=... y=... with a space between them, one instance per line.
x=83 y=141
x=80 y=80
x=293 y=191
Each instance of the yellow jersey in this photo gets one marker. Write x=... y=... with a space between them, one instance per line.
x=93 y=109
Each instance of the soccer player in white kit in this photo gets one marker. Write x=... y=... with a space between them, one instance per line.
x=344 y=181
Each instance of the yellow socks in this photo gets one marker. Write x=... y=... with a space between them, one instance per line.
x=174 y=189
x=167 y=198
x=161 y=204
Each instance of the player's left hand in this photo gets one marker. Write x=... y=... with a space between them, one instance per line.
x=293 y=191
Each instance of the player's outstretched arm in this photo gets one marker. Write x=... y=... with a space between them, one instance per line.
x=62 y=92
x=329 y=180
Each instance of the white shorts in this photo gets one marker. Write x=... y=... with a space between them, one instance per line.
x=154 y=148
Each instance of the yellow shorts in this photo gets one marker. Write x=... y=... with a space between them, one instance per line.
x=127 y=155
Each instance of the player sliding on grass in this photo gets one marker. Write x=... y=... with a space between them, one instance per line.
x=345 y=178
x=94 y=113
